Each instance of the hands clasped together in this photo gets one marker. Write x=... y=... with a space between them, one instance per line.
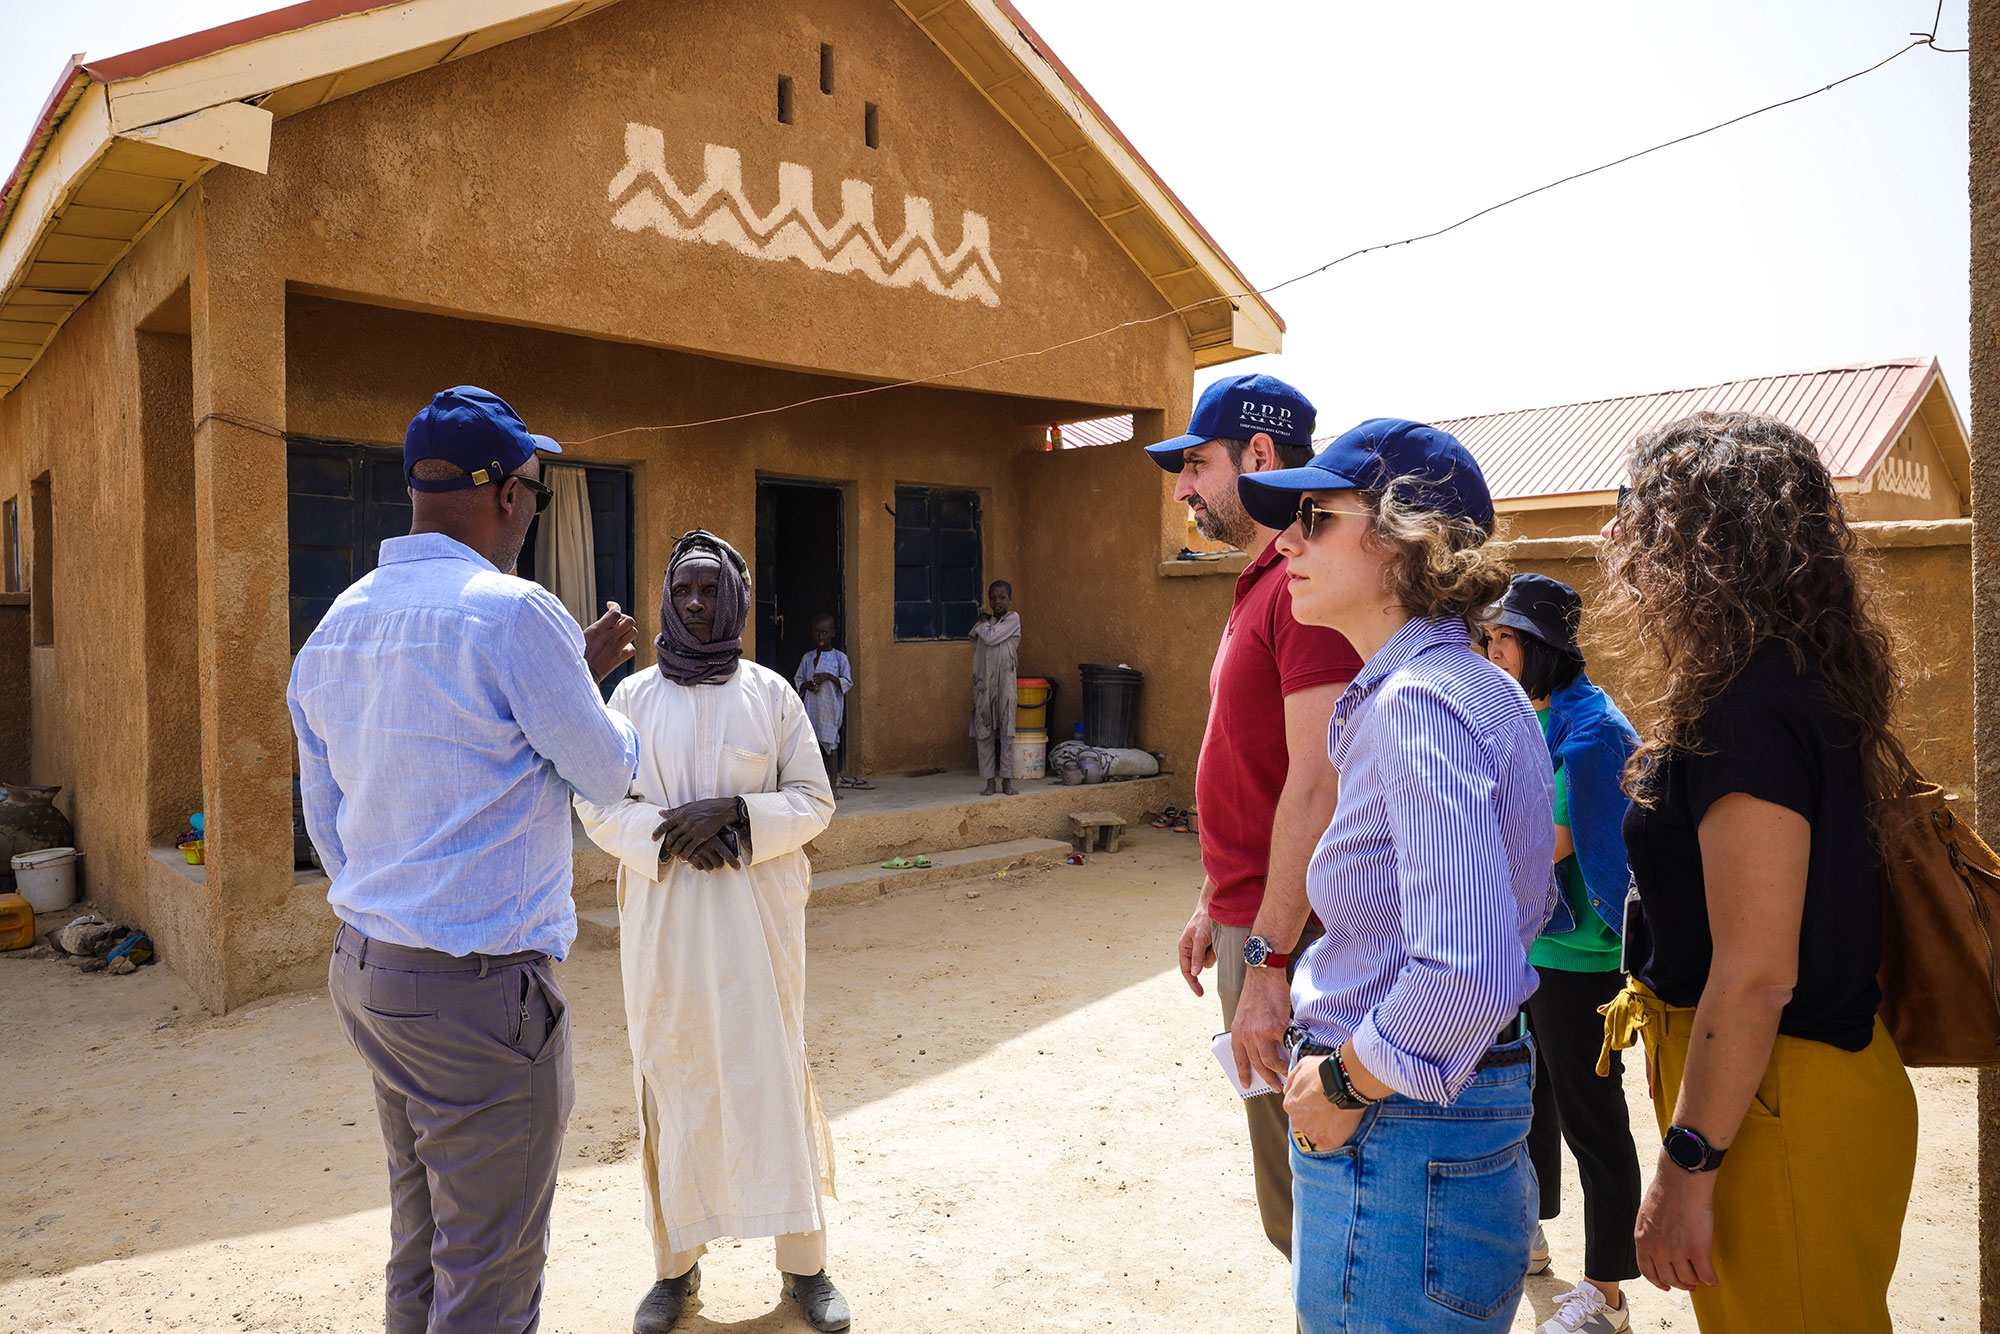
x=694 y=834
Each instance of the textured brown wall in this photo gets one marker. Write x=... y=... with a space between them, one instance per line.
x=1923 y=582
x=16 y=699
x=1984 y=199
x=1091 y=591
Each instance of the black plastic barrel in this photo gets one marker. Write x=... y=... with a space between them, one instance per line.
x=1110 y=704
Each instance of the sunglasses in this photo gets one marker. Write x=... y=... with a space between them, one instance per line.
x=543 y=495
x=1310 y=515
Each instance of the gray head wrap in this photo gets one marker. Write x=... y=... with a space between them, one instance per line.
x=683 y=658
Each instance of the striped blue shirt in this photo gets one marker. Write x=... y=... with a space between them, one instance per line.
x=1437 y=871
x=444 y=714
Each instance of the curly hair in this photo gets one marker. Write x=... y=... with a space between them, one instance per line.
x=1729 y=536
x=1442 y=567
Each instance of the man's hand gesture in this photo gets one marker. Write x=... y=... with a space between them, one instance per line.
x=607 y=642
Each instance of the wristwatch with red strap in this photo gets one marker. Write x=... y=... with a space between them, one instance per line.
x=1257 y=953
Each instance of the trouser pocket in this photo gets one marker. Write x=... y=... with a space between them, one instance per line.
x=537 y=1011
x=1476 y=1226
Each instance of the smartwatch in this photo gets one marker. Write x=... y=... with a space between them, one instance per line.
x=1687 y=1150
x=1257 y=953
x=1339 y=1089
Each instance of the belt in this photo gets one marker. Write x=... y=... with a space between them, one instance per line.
x=1505 y=1051
x=369 y=953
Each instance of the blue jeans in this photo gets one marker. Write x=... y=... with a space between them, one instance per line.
x=1422 y=1220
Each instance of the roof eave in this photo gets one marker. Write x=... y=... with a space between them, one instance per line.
x=1015 y=69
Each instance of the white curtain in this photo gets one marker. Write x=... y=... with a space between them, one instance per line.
x=563 y=544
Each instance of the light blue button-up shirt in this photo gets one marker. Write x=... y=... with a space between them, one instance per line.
x=444 y=714
x=1438 y=869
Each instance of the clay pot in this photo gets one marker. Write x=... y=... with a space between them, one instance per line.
x=29 y=822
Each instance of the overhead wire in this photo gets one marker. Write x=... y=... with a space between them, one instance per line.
x=1920 y=39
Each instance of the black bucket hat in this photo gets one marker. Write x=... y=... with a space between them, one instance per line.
x=1546 y=608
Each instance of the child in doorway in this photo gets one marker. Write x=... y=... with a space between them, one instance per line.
x=824 y=678
x=996 y=657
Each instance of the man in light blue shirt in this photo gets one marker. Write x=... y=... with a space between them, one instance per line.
x=445 y=712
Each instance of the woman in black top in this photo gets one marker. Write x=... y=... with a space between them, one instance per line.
x=1756 y=935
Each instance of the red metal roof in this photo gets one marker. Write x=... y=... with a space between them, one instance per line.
x=1853 y=413
x=1097 y=431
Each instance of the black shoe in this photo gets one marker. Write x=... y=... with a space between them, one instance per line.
x=819 y=1301
x=662 y=1307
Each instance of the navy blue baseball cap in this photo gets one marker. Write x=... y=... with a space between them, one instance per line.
x=476 y=430
x=1238 y=408
x=1437 y=473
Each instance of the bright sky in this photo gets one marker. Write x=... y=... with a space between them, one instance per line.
x=1296 y=130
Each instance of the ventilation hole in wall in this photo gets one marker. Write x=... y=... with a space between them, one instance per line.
x=784 y=101
x=825 y=68
x=871 y=126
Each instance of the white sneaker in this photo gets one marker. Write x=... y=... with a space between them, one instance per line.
x=1538 y=1252
x=1582 y=1310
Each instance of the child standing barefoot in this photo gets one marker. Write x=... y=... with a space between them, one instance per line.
x=996 y=657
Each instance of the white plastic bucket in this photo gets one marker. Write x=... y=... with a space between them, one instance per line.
x=1031 y=754
x=47 y=879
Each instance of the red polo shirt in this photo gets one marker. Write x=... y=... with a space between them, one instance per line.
x=1265 y=655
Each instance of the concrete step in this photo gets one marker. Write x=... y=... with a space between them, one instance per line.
x=597 y=928
x=944 y=813
x=856 y=884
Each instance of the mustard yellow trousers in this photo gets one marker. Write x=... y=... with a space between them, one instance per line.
x=1809 y=1204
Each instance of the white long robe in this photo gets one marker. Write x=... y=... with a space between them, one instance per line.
x=735 y=1143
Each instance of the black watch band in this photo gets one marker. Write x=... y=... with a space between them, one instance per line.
x=1339 y=1089
x=1687 y=1150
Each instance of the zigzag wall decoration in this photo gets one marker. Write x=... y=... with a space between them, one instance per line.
x=718 y=213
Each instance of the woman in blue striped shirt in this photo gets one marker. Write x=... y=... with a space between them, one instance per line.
x=1411 y=1090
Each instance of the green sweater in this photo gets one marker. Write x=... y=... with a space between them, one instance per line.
x=1592 y=947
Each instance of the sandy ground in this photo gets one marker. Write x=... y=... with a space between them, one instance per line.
x=1030 y=1134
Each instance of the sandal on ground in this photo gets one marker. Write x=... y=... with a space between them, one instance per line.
x=1181 y=825
x=1165 y=819
x=917 y=863
x=858 y=784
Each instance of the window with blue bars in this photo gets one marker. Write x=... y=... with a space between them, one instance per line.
x=939 y=562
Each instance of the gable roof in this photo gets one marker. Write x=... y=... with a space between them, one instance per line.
x=1575 y=453
x=120 y=139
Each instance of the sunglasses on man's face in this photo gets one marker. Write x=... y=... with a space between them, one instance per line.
x=543 y=495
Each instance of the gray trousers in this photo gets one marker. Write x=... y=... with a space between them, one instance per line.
x=473 y=1086
x=1270 y=1128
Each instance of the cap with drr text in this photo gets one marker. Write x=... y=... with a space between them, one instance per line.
x=1428 y=467
x=1237 y=408
x=474 y=429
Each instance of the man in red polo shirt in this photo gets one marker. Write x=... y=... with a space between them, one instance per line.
x=1265 y=788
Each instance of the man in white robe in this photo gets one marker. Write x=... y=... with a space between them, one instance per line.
x=712 y=886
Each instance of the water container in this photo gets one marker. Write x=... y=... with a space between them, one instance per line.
x=17 y=922
x=47 y=879
x=1031 y=754
x=1110 y=704
x=1031 y=703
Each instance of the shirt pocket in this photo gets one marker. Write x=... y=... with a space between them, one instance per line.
x=745 y=770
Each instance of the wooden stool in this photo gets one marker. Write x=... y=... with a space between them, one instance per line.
x=1095 y=826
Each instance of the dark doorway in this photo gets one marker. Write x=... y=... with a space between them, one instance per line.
x=800 y=569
